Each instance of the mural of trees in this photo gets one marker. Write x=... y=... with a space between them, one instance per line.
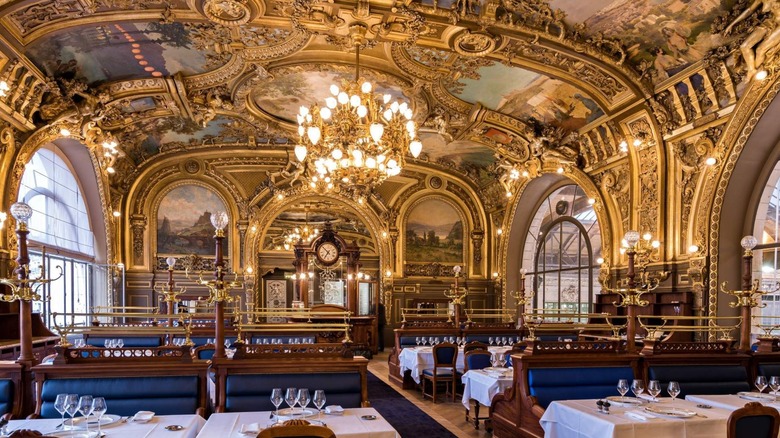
x=434 y=233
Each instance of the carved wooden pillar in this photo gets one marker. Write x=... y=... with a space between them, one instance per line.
x=138 y=224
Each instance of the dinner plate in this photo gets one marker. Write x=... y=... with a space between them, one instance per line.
x=78 y=422
x=296 y=412
x=756 y=396
x=73 y=433
x=670 y=412
x=617 y=400
x=496 y=369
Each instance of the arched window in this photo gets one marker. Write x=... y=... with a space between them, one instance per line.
x=561 y=249
x=766 y=255
x=61 y=237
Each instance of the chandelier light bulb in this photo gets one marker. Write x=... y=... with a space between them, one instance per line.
x=362 y=111
x=377 y=130
x=386 y=98
x=110 y=169
x=647 y=236
x=637 y=142
x=337 y=154
x=343 y=98
x=325 y=113
x=354 y=100
x=388 y=115
x=331 y=102
x=366 y=87
x=655 y=244
x=410 y=127
x=394 y=107
x=334 y=90
x=303 y=111
x=314 y=134
x=380 y=158
x=415 y=147
x=300 y=152
x=403 y=107
x=371 y=163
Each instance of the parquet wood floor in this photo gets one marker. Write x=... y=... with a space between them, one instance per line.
x=448 y=414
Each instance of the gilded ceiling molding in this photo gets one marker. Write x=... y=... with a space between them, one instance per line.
x=137 y=88
x=229 y=13
x=400 y=56
x=615 y=181
x=743 y=121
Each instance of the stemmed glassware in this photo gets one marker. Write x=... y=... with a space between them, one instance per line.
x=673 y=389
x=622 y=388
x=490 y=340
x=319 y=402
x=774 y=384
x=654 y=388
x=276 y=399
x=71 y=407
x=761 y=383
x=637 y=387
x=417 y=339
x=99 y=408
x=303 y=399
x=291 y=398
x=60 y=404
x=85 y=407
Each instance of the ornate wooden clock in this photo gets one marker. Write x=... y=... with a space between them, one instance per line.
x=328 y=253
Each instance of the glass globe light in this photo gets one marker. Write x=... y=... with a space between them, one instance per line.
x=748 y=242
x=631 y=237
x=171 y=261
x=219 y=219
x=21 y=212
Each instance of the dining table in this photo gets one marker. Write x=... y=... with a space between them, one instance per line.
x=733 y=401
x=160 y=426
x=482 y=385
x=416 y=359
x=351 y=423
x=582 y=419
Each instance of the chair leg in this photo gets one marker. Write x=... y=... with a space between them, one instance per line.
x=435 y=383
x=476 y=415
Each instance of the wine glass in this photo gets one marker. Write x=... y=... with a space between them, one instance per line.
x=71 y=407
x=303 y=399
x=622 y=387
x=490 y=340
x=673 y=389
x=637 y=387
x=85 y=407
x=120 y=342
x=761 y=383
x=291 y=398
x=99 y=408
x=417 y=340
x=319 y=402
x=60 y=403
x=774 y=384
x=276 y=399
x=654 y=388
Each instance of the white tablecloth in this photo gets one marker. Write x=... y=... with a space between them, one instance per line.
x=153 y=429
x=481 y=386
x=349 y=425
x=581 y=419
x=416 y=359
x=730 y=402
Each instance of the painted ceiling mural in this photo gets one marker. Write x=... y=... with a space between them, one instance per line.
x=671 y=34
x=115 y=51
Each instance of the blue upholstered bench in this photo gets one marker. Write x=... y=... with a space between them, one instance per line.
x=164 y=395
x=252 y=392
x=6 y=396
x=551 y=384
x=769 y=369
x=702 y=379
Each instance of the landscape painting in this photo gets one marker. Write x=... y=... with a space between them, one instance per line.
x=184 y=221
x=434 y=233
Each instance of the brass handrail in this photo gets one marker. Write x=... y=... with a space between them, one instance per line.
x=767 y=328
x=183 y=326
x=506 y=315
x=537 y=322
x=656 y=331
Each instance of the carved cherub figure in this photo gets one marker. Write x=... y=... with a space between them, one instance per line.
x=763 y=38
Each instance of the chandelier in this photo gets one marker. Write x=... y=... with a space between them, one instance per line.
x=358 y=138
x=303 y=234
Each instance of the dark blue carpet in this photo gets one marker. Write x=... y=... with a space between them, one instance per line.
x=409 y=420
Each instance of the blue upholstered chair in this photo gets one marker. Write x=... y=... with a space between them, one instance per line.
x=476 y=360
x=445 y=356
x=753 y=421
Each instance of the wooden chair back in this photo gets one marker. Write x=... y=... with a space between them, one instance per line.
x=475 y=345
x=297 y=429
x=754 y=420
x=445 y=355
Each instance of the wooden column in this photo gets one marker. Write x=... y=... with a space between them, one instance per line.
x=631 y=308
x=745 y=307
x=219 y=297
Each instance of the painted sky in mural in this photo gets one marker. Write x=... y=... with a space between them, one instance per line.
x=670 y=33
x=524 y=94
x=283 y=96
x=118 y=51
x=178 y=130
x=184 y=221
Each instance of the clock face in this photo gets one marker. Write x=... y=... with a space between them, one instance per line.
x=328 y=253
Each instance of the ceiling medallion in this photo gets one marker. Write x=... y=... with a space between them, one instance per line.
x=359 y=137
x=227 y=12
x=474 y=44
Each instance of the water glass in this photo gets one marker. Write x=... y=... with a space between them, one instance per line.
x=622 y=388
x=319 y=402
x=303 y=399
x=637 y=387
x=654 y=388
x=774 y=384
x=761 y=383
x=60 y=404
x=71 y=407
x=673 y=389
x=291 y=398
x=99 y=408
x=276 y=399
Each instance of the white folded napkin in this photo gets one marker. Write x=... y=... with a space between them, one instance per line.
x=638 y=416
x=143 y=416
x=334 y=410
x=250 y=429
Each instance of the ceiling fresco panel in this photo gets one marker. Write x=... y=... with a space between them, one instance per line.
x=524 y=94
x=119 y=51
x=671 y=34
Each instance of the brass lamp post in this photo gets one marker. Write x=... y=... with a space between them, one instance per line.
x=170 y=294
x=23 y=288
x=520 y=296
x=219 y=289
x=456 y=295
x=748 y=296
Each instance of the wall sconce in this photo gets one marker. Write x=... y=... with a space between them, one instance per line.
x=4 y=88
